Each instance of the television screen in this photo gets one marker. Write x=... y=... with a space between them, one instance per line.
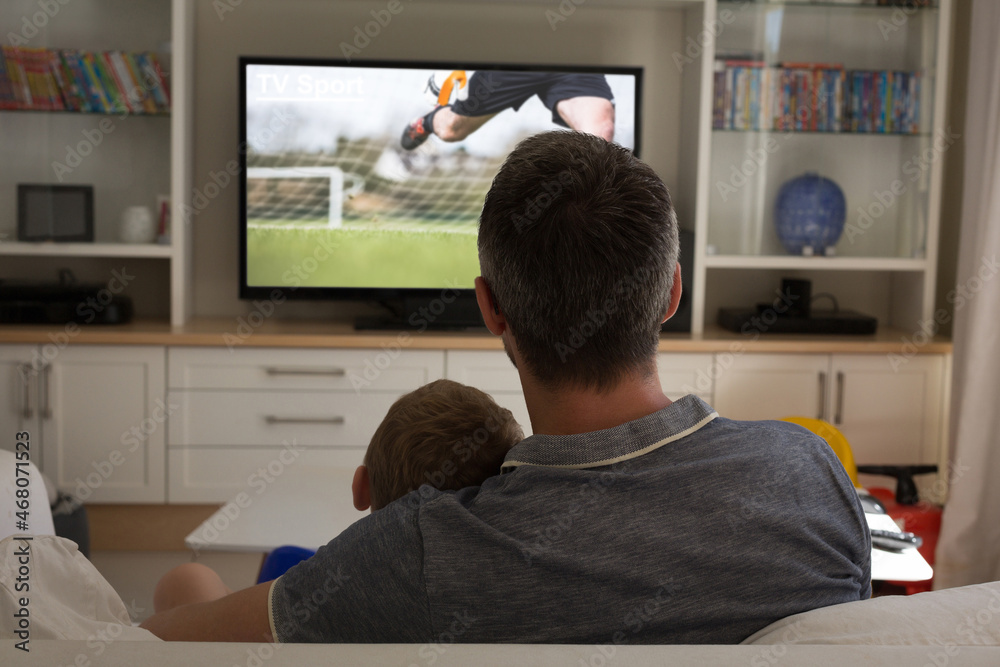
x=352 y=182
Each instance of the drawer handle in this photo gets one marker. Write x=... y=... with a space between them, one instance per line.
x=838 y=415
x=45 y=410
x=273 y=419
x=822 y=396
x=334 y=372
x=23 y=370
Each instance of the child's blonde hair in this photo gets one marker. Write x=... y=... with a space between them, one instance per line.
x=445 y=434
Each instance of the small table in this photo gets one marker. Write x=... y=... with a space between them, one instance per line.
x=304 y=506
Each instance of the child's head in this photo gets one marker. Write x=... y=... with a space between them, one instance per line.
x=445 y=434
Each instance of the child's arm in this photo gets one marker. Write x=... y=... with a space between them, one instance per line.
x=239 y=617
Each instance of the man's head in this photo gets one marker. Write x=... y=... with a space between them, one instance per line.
x=578 y=247
x=445 y=434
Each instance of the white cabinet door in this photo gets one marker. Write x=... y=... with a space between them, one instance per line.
x=104 y=423
x=19 y=397
x=772 y=386
x=682 y=374
x=890 y=415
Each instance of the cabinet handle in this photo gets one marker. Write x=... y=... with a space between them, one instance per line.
x=838 y=415
x=275 y=370
x=822 y=396
x=273 y=419
x=45 y=410
x=26 y=411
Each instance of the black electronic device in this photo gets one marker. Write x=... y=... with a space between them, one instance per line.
x=62 y=303
x=62 y=213
x=792 y=313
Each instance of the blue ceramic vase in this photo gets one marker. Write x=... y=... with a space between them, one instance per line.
x=810 y=211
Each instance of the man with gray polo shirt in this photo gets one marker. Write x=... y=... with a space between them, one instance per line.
x=626 y=518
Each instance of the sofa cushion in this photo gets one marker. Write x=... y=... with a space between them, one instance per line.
x=966 y=616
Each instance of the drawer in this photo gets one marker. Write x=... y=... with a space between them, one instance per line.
x=218 y=474
x=261 y=418
x=266 y=369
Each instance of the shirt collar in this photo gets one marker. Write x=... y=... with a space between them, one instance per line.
x=625 y=441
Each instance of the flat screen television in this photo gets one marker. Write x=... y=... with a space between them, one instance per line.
x=336 y=204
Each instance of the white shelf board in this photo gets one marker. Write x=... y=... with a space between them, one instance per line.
x=87 y=249
x=815 y=263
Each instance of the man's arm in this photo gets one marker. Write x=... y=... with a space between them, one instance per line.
x=239 y=617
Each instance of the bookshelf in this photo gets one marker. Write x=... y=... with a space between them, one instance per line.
x=106 y=104
x=852 y=92
x=738 y=260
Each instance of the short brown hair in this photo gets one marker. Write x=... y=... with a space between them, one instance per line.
x=578 y=243
x=445 y=434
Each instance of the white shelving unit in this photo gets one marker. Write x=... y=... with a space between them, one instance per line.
x=735 y=238
x=677 y=114
x=127 y=166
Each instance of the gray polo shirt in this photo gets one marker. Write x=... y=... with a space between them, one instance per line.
x=679 y=527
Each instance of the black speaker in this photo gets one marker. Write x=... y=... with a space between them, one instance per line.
x=681 y=321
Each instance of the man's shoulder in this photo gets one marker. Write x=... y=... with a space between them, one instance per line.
x=767 y=435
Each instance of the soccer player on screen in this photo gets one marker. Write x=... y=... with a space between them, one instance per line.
x=579 y=101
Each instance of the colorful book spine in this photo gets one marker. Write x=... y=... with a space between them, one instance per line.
x=719 y=98
x=8 y=100
x=814 y=98
x=162 y=84
x=56 y=80
x=142 y=88
x=107 y=80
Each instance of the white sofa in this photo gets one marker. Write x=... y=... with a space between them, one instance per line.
x=959 y=626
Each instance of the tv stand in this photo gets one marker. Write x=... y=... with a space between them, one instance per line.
x=437 y=313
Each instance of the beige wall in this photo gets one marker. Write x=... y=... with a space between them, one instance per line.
x=449 y=31
x=424 y=31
